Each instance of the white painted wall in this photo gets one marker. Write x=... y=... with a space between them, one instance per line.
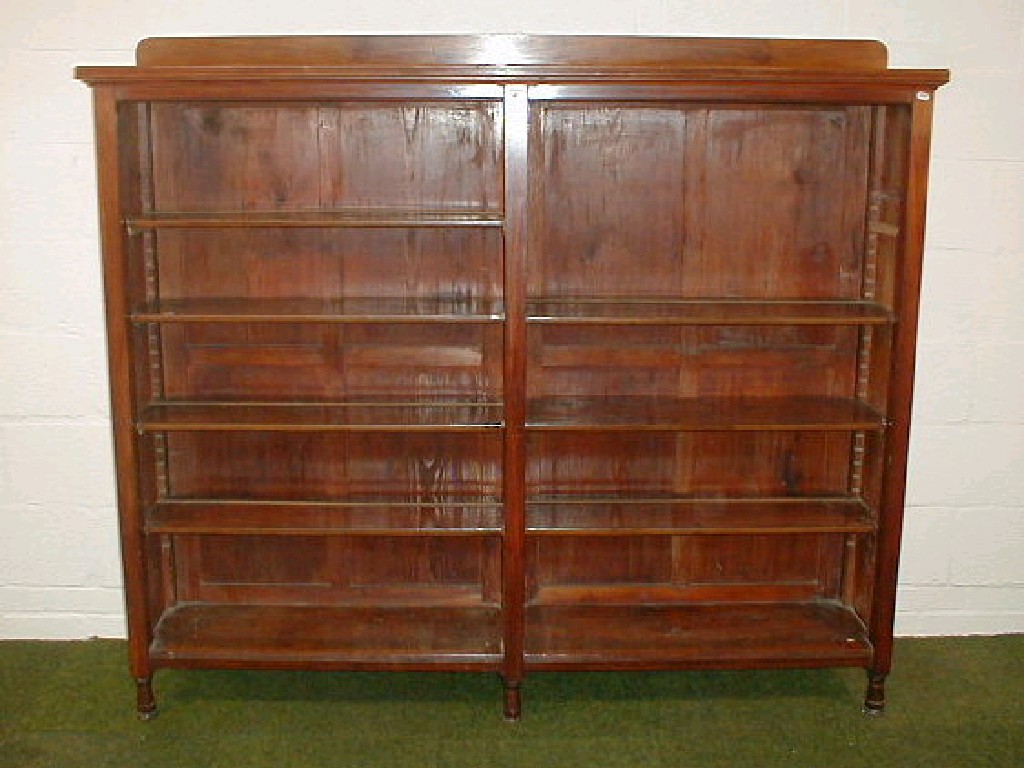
x=963 y=569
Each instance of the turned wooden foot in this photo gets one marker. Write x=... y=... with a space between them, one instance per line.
x=513 y=701
x=874 y=699
x=145 y=703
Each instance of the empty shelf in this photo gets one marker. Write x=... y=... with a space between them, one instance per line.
x=713 y=413
x=207 y=517
x=357 y=218
x=328 y=637
x=579 y=311
x=814 y=633
x=316 y=417
x=616 y=517
x=347 y=310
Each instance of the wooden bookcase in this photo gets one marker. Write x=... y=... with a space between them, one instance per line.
x=511 y=353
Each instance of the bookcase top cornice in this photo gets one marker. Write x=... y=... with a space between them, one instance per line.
x=509 y=58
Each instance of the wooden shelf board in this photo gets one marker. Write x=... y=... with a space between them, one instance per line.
x=595 y=517
x=318 y=519
x=346 y=310
x=355 y=218
x=318 y=417
x=298 y=636
x=696 y=635
x=504 y=50
x=634 y=311
x=626 y=413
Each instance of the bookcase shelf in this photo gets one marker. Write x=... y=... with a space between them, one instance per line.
x=346 y=310
x=353 y=218
x=632 y=413
x=656 y=311
x=696 y=636
x=697 y=517
x=355 y=518
x=318 y=417
x=343 y=637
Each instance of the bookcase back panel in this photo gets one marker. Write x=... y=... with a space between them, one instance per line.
x=332 y=362
x=332 y=570
x=454 y=263
x=672 y=361
x=780 y=207
x=692 y=568
x=698 y=201
x=714 y=464
x=313 y=466
x=228 y=156
x=606 y=185
x=414 y=155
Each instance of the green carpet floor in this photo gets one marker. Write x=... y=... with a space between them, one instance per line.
x=952 y=702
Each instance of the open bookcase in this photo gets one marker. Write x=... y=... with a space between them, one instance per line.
x=511 y=353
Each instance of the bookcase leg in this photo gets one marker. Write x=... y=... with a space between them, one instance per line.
x=145 y=703
x=513 y=700
x=874 y=699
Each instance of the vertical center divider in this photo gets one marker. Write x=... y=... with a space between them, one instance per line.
x=516 y=114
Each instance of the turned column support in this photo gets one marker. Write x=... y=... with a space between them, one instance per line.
x=874 y=699
x=145 y=703
x=513 y=700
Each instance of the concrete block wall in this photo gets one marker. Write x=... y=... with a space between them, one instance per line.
x=963 y=570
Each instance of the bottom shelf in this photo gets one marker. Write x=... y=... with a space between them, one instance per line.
x=817 y=633
x=204 y=634
x=807 y=634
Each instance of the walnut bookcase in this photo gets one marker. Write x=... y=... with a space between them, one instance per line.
x=511 y=353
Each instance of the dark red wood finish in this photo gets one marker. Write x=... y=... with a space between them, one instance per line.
x=511 y=353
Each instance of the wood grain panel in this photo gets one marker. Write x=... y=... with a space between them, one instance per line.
x=332 y=570
x=606 y=187
x=457 y=264
x=778 y=204
x=312 y=466
x=599 y=595
x=429 y=561
x=413 y=156
x=716 y=361
x=799 y=559
x=690 y=568
x=261 y=561
x=713 y=202
x=600 y=560
x=708 y=464
x=433 y=51
x=216 y=157
x=282 y=361
x=235 y=157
